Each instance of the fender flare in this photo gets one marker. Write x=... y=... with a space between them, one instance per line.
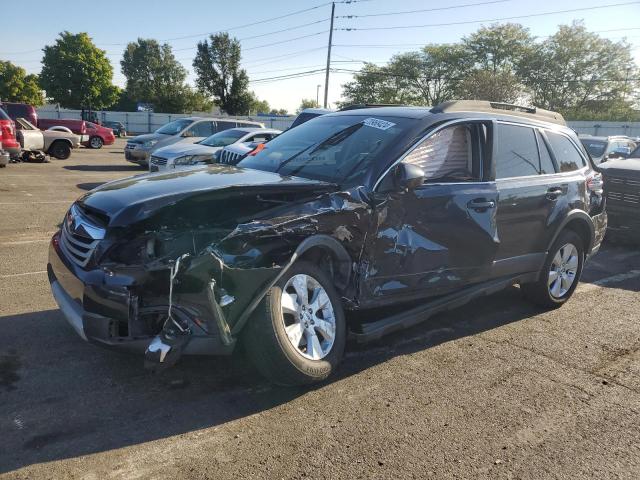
x=583 y=218
x=320 y=240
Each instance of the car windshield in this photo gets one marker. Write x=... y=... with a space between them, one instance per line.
x=337 y=149
x=175 y=127
x=224 y=138
x=595 y=148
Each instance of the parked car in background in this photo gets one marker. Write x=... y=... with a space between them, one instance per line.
x=98 y=135
x=118 y=128
x=234 y=153
x=184 y=130
x=622 y=189
x=91 y=134
x=35 y=142
x=8 y=135
x=602 y=149
x=181 y=155
x=307 y=114
x=419 y=209
x=20 y=110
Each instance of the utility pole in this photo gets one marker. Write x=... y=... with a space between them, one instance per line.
x=326 y=77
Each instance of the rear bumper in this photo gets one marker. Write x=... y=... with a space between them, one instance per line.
x=107 y=313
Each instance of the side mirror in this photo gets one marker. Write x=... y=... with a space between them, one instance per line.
x=408 y=176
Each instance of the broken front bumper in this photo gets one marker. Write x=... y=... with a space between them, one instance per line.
x=107 y=310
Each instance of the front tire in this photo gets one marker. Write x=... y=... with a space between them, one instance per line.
x=561 y=273
x=297 y=334
x=95 y=142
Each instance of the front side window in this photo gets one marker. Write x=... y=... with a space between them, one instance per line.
x=175 y=127
x=338 y=149
x=567 y=156
x=446 y=155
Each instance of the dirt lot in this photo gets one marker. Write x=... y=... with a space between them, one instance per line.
x=497 y=389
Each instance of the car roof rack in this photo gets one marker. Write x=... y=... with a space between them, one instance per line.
x=356 y=106
x=533 y=113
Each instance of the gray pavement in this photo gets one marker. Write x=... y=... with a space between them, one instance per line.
x=496 y=389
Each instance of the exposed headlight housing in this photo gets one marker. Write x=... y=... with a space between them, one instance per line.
x=193 y=159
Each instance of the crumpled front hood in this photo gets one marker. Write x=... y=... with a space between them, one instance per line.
x=135 y=198
x=181 y=149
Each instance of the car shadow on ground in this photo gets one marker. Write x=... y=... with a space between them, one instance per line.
x=63 y=398
x=89 y=185
x=104 y=168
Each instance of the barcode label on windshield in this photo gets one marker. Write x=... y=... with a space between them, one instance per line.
x=377 y=123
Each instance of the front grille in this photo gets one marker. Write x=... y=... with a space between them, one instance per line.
x=229 y=157
x=622 y=190
x=158 y=160
x=79 y=237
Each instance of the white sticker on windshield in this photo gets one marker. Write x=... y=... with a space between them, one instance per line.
x=377 y=123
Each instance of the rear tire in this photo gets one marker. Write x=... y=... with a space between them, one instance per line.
x=296 y=341
x=561 y=273
x=60 y=150
x=95 y=142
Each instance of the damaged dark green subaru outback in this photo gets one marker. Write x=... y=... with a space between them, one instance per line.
x=299 y=246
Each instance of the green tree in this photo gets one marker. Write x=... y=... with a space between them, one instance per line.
x=500 y=47
x=582 y=75
x=77 y=74
x=257 y=105
x=17 y=86
x=217 y=67
x=502 y=86
x=155 y=76
x=307 y=103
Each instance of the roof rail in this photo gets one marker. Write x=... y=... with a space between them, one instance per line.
x=491 y=107
x=370 y=105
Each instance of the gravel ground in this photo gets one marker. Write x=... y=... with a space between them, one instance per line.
x=496 y=389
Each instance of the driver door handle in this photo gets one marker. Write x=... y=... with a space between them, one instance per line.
x=481 y=204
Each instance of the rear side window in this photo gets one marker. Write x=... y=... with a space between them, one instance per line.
x=546 y=164
x=567 y=156
x=516 y=152
x=225 y=125
x=202 y=129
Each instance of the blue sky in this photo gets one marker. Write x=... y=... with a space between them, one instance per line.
x=113 y=23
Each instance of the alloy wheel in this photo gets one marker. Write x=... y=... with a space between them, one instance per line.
x=308 y=317
x=563 y=270
x=95 y=142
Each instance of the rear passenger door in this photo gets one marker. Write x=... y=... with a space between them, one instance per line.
x=531 y=193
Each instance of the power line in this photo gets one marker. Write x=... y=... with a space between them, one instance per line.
x=278 y=58
x=289 y=76
x=423 y=10
x=394 y=27
x=284 y=41
x=391 y=74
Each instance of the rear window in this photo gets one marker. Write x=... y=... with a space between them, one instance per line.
x=567 y=155
x=595 y=148
x=3 y=115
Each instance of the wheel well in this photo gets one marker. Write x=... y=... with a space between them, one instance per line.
x=327 y=259
x=582 y=229
x=60 y=140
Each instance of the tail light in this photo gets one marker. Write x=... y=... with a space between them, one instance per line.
x=7 y=129
x=595 y=183
x=256 y=150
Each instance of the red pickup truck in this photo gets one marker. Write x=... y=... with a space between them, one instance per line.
x=91 y=134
